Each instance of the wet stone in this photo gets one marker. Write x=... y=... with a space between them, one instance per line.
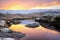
x=7 y=33
x=3 y=29
x=34 y=25
x=11 y=35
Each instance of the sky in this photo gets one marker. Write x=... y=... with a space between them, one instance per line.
x=29 y=4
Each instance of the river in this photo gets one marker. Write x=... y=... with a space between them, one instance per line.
x=39 y=33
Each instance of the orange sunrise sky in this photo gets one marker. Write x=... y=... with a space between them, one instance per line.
x=29 y=4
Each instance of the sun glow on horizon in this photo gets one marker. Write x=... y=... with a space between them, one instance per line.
x=46 y=7
x=15 y=7
x=29 y=4
x=20 y=7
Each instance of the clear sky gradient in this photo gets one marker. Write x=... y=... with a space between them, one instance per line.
x=29 y=4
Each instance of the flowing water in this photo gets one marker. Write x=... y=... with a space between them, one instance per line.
x=39 y=33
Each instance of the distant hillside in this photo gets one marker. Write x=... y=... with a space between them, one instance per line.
x=2 y=15
x=29 y=11
x=11 y=16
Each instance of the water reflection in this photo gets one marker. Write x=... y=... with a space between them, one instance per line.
x=27 y=21
x=39 y=33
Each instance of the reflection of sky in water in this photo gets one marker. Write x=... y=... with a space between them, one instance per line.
x=39 y=33
x=27 y=22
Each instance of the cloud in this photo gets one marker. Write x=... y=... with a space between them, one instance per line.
x=29 y=3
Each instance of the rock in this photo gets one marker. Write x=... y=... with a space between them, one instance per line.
x=8 y=23
x=53 y=23
x=16 y=35
x=2 y=22
x=34 y=25
x=16 y=22
x=3 y=29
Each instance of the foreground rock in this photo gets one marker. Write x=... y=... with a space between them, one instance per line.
x=50 y=22
x=7 y=33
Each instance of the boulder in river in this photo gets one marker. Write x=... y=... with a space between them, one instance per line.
x=33 y=25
